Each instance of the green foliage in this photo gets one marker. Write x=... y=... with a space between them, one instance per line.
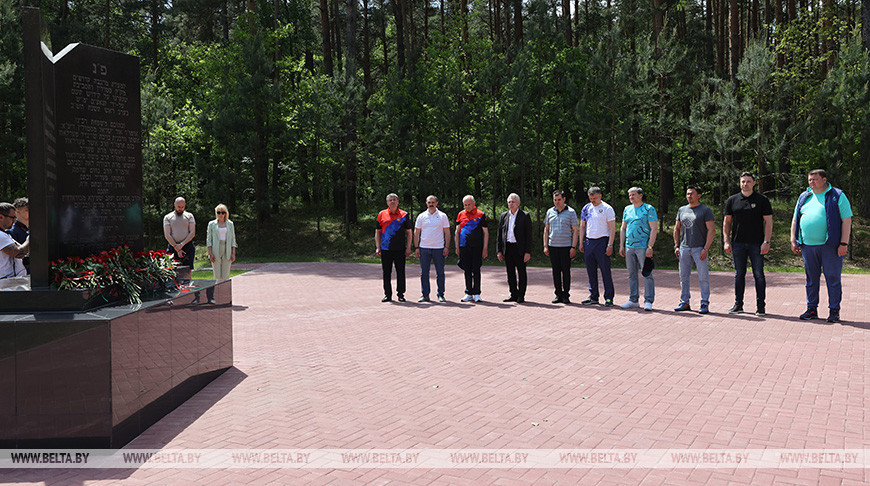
x=249 y=118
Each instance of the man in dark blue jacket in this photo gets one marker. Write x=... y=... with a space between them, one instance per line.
x=820 y=232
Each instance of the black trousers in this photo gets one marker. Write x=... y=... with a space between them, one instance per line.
x=513 y=260
x=189 y=252
x=560 y=260
x=389 y=258
x=472 y=259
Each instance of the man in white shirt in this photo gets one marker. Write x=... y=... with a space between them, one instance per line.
x=10 y=250
x=432 y=240
x=597 y=235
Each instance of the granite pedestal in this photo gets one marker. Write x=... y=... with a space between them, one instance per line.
x=97 y=379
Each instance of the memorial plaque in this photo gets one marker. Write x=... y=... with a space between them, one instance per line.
x=97 y=126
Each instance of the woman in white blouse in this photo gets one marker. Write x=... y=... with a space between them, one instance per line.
x=221 y=241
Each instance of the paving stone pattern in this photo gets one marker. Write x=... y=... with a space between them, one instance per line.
x=320 y=362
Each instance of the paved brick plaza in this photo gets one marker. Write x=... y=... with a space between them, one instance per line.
x=321 y=363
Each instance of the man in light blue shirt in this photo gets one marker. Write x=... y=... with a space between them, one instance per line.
x=820 y=232
x=640 y=226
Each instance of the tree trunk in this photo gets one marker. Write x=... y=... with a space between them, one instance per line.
x=425 y=23
x=499 y=35
x=463 y=9
x=367 y=66
x=721 y=36
x=350 y=161
x=108 y=22
x=734 y=39
x=828 y=47
x=507 y=22
x=865 y=28
x=398 y=7
x=386 y=66
x=780 y=24
x=411 y=34
x=666 y=183
x=711 y=38
x=326 y=34
x=576 y=23
x=225 y=21
x=566 y=18
x=658 y=21
x=336 y=30
x=278 y=156
x=518 y=21
x=155 y=38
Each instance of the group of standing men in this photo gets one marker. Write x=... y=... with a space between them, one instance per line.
x=820 y=233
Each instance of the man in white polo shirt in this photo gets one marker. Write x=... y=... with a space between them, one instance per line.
x=10 y=250
x=432 y=240
x=597 y=233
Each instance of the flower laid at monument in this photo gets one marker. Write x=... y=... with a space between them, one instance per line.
x=116 y=273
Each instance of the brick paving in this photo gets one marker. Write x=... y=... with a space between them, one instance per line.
x=320 y=362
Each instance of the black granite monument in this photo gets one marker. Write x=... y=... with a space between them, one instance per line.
x=71 y=375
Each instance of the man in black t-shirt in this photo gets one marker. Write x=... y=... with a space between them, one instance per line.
x=747 y=229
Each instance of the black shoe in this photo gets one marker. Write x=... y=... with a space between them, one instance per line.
x=520 y=300
x=386 y=298
x=557 y=300
x=809 y=314
x=608 y=302
x=510 y=299
x=736 y=309
x=566 y=300
x=423 y=299
x=401 y=298
x=834 y=317
x=590 y=301
x=760 y=311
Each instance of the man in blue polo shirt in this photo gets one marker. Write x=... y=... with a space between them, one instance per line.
x=820 y=232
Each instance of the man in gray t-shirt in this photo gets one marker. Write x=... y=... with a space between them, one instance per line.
x=693 y=235
x=179 y=228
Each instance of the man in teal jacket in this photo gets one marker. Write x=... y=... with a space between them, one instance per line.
x=820 y=232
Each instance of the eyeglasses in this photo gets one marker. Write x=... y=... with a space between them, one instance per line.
x=9 y=216
x=220 y=212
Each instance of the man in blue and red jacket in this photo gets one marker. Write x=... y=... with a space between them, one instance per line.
x=472 y=239
x=393 y=245
x=820 y=232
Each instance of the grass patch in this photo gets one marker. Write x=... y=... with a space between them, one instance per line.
x=209 y=275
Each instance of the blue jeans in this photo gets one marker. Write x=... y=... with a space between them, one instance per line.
x=820 y=259
x=740 y=251
x=634 y=258
x=687 y=256
x=428 y=255
x=596 y=257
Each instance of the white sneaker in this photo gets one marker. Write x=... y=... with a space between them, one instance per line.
x=467 y=298
x=647 y=306
x=630 y=305
x=477 y=298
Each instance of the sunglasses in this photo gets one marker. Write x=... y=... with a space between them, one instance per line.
x=220 y=212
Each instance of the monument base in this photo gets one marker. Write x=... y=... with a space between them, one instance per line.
x=98 y=379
